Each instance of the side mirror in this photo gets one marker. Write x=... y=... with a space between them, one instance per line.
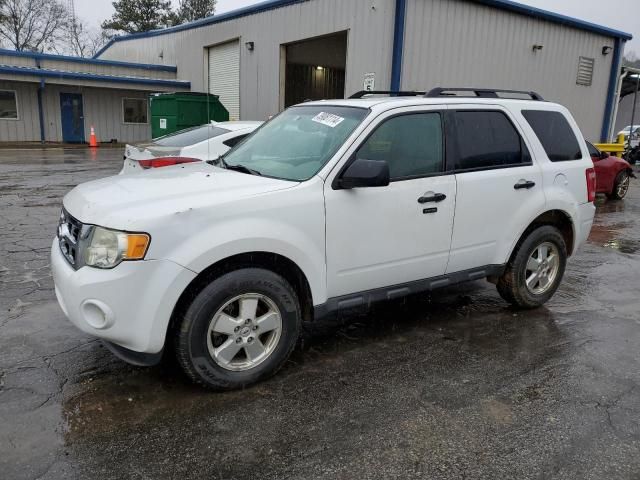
x=365 y=173
x=603 y=155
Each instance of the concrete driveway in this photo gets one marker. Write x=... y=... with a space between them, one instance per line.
x=452 y=385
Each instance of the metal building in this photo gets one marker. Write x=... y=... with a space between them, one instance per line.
x=52 y=98
x=262 y=58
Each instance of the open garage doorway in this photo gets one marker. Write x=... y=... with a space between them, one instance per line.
x=314 y=69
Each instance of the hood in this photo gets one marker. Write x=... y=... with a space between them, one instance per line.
x=126 y=201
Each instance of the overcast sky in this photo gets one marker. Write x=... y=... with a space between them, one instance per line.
x=619 y=14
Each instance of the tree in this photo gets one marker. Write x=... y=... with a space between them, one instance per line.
x=631 y=59
x=82 y=40
x=32 y=25
x=192 y=10
x=134 y=16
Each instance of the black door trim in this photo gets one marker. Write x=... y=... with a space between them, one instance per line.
x=363 y=300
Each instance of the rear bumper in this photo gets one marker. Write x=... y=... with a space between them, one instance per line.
x=129 y=306
x=584 y=222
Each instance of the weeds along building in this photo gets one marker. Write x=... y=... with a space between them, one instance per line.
x=265 y=57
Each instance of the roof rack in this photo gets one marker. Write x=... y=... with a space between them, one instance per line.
x=481 y=92
x=392 y=93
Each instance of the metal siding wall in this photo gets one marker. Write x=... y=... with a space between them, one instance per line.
x=460 y=43
x=102 y=109
x=27 y=127
x=369 y=47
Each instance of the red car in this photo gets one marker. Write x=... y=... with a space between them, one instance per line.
x=613 y=174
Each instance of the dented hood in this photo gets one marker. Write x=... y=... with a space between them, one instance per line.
x=127 y=201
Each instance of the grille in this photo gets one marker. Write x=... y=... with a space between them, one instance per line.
x=69 y=230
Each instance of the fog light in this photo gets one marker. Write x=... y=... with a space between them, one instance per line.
x=97 y=314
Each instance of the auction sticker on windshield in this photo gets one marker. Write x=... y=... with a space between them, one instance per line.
x=328 y=119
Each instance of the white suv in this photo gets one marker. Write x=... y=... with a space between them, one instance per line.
x=330 y=206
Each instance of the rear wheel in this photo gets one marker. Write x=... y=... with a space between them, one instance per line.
x=535 y=269
x=620 y=186
x=239 y=329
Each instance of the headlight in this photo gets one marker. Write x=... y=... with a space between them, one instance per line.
x=108 y=248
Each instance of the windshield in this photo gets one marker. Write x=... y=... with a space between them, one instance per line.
x=190 y=136
x=297 y=143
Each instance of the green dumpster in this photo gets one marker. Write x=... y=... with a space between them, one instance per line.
x=171 y=112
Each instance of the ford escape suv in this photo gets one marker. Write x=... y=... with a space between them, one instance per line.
x=331 y=205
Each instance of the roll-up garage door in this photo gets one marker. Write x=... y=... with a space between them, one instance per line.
x=224 y=76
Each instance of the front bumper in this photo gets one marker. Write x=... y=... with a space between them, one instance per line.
x=129 y=306
x=586 y=213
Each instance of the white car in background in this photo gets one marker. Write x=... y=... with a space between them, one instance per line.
x=629 y=129
x=197 y=144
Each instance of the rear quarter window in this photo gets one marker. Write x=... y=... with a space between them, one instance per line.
x=555 y=135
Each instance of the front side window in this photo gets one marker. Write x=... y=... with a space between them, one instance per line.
x=296 y=144
x=134 y=110
x=555 y=134
x=410 y=144
x=487 y=139
x=8 y=105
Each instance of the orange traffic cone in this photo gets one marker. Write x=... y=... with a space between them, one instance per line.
x=93 y=142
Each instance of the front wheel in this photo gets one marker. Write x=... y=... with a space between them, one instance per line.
x=535 y=270
x=239 y=329
x=620 y=186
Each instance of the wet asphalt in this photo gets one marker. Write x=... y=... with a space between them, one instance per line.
x=449 y=385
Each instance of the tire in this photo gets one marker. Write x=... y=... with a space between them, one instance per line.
x=620 y=186
x=512 y=285
x=214 y=326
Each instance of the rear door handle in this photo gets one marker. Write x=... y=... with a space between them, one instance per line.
x=524 y=184
x=432 y=198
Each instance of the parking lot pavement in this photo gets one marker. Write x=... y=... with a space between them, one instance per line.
x=452 y=385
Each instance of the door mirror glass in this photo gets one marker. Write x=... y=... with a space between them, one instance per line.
x=364 y=173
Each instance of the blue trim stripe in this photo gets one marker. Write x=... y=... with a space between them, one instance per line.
x=398 y=45
x=611 y=92
x=37 y=72
x=90 y=61
x=274 y=4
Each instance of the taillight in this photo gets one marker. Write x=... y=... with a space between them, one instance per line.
x=166 y=162
x=591 y=184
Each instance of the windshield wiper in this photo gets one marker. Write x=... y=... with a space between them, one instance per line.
x=242 y=169
x=220 y=162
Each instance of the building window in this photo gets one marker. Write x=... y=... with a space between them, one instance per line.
x=8 y=105
x=135 y=110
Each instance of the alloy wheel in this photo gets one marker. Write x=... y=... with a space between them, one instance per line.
x=244 y=332
x=542 y=268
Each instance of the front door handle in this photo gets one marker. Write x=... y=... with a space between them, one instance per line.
x=524 y=185
x=432 y=198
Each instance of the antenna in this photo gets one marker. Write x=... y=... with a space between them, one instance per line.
x=72 y=10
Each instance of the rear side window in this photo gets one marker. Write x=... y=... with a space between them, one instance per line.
x=191 y=136
x=486 y=140
x=411 y=144
x=555 y=135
